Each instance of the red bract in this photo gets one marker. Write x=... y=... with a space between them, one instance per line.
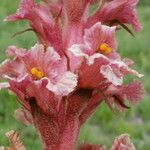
x=73 y=68
x=117 y=11
x=41 y=21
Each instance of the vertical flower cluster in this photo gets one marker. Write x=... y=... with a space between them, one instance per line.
x=74 y=66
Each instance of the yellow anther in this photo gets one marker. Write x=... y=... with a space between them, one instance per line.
x=36 y=73
x=40 y=75
x=105 y=48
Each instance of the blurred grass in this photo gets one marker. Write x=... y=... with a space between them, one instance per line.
x=104 y=125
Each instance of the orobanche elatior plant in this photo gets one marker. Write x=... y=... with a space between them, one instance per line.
x=72 y=69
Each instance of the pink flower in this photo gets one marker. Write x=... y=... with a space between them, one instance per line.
x=78 y=51
x=42 y=83
x=117 y=10
x=38 y=69
x=99 y=56
x=76 y=66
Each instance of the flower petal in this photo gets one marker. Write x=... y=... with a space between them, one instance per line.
x=92 y=58
x=80 y=50
x=92 y=67
x=134 y=92
x=77 y=50
x=124 y=11
x=124 y=69
x=112 y=77
x=11 y=69
x=15 y=51
x=65 y=84
x=26 y=7
x=99 y=34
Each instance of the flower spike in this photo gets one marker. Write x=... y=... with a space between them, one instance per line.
x=73 y=68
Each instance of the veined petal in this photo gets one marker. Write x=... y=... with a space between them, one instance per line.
x=65 y=85
x=113 y=70
x=92 y=58
x=124 y=11
x=99 y=34
x=15 y=51
x=53 y=54
x=41 y=58
x=76 y=49
x=77 y=54
x=125 y=69
x=90 y=67
x=134 y=92
x=26 y=6
x=11 y=69
x=44 y=14
x=79 y=50
x=116 y=70
x=109 y=74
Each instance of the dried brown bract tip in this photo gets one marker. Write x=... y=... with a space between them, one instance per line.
x=123 y=142
x=15 y=141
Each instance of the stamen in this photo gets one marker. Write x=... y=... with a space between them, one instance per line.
x=105 y=49
x=36 y=73
x=40 y=74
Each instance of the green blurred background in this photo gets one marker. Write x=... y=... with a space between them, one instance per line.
x=104 y=125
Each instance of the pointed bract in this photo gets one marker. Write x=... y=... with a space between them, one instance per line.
x=123 y=11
